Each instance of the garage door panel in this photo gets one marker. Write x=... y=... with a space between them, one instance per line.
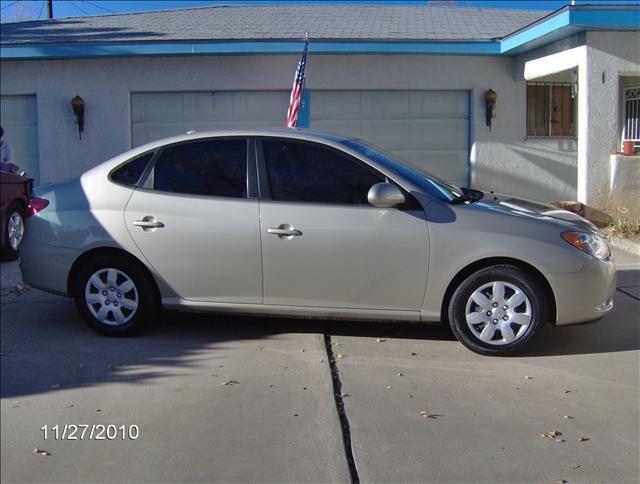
x=342 y=127
x=159 y=115
x=19 y=118
x=22 y=109
x=428 y=128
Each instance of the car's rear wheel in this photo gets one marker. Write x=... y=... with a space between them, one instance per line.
x=114 y=295
x=13 y=230
x=498 y=310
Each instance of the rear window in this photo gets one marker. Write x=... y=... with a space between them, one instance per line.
x=130 y=172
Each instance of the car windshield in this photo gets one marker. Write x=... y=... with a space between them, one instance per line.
x=431 y=183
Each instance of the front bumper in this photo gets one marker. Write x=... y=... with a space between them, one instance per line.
x=586 y=295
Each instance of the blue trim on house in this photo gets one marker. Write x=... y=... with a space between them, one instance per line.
x=59 y=51
x=536 y=31
x=304 y=115
x=560 y=24
x=567 y=22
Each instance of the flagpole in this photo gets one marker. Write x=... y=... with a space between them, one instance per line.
x=304 y=79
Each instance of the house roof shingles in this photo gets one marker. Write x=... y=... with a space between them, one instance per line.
x=269 y=22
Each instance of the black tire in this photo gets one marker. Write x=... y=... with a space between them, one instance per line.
x=143 y=293
x=513 y=276
x=8 y=252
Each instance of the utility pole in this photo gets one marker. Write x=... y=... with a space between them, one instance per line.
x=49 y=9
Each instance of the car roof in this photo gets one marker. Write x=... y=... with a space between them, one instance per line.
x=291 y=133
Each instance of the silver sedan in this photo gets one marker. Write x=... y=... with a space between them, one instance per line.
x=297 y=223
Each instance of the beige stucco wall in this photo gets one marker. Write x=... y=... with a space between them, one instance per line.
x=609 y=56
x=502 y=159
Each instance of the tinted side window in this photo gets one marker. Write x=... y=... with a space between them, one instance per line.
x=302 y=172
x=214 y=167
x=130 y=173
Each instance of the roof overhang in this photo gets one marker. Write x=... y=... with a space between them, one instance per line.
x=557 y=25
x=571 y=20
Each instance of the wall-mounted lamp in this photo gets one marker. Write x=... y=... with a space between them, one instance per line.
x=489 y=106
x=77 y=104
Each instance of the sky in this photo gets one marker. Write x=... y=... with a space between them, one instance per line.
x=20 y=10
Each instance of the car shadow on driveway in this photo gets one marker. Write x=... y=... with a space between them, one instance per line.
x=46 y=347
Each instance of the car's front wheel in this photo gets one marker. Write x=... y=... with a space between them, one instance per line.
x=498 y=310
x=114 y=295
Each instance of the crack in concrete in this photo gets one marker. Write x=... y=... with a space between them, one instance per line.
x=628 y=294
x=344 y=421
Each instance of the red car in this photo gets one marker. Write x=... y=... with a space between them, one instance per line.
x=15 y=191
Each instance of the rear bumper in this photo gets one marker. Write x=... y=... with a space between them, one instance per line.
x=46 y=267
x=586 y=295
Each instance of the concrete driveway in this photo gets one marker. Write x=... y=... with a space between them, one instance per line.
x=220 y=399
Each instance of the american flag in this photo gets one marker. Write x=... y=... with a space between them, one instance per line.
x=298 y=87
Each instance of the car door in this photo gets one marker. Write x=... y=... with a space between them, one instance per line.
x=195 y=223
x=323 y=244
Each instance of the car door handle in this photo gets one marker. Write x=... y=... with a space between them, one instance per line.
x=284 y=231
x=148 y=223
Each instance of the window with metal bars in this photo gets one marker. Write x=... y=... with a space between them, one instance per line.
x=550 y=110
x=631 y=124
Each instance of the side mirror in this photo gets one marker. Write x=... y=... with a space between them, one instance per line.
x=385 y=195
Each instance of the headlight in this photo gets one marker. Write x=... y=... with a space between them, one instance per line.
x=590 y=243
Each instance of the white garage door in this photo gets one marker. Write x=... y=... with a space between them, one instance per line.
x=425 y=128
x=158 y=115
x=19 y=119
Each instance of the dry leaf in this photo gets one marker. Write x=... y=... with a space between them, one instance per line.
x=552 y=434
x=230 y=383
x=426 y=414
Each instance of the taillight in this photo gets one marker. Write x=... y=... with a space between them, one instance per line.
x=36 y=204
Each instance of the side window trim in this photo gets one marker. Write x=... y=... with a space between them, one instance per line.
x=147 y=174
x=263 y=179
x=253 y=191
x=147 y=181
x=264 y=190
